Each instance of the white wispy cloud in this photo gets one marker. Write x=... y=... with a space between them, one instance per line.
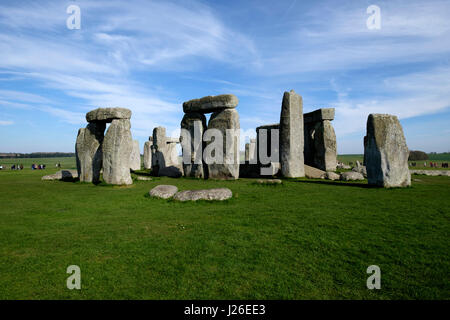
x=6 y=122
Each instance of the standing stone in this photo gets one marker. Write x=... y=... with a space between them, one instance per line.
x=147 y=155
x=365 y=146
x=88 y=151
x=158 y=149
x=194 y=125
x=227 y=122
x=291 y=136
x=117 y=147
x=252 y=151
x=135 y=159
x=320 y=149
x=386 y=152
x=325 y=155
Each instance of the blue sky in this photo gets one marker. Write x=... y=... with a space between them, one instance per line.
x=150 y=56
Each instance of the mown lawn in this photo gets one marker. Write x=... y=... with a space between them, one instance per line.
x=305 y=239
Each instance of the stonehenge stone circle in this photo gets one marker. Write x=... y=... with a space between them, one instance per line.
x=135 y=158
x=219 y=194
x=211 y=104
x=227 y=122
x=194 y=125
x=291 y=136
x=88 y=152
x=386 y=153
x=108 y=114
x=147 y=155
x=117 y=147
x=163 y=191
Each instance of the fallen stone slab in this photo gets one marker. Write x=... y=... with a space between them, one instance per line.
x=211 y=103
x=108 y=114
x=62 y=175
x=269 y=181
x=432 y=173
x=360 y=169
x=343 y=166
x=332 y=176
x=314 y=173
x=351 y=176
x=219 y=194
x=163 y=191
x=140 y=178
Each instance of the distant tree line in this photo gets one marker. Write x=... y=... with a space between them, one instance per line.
x=38 y=155
x=415 y=155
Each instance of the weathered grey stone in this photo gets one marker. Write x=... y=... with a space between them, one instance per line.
x=88 y=150
x=192 y=145
x=219 y=194
x=147 y=155
x=164 y=152
x=163 y=191
x=365 y=146
x=227 y=122
x=117 y=147
x=211 y=103
x=64 y=175
x=332 y=176
x=291 y=136
x=108 y=114
x=143 y=178
x=171 y=171
x=351 y=176
x=341 y=165
x=325 y=149
x=386 y=152
x=271 y=169
x=361 y=169
x=135 y=158
x=314 y=173
x=319 y=115
x=269 y=181
x=434 y=173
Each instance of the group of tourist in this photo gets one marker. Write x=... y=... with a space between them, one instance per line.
x=432 y=164
x=37 y=166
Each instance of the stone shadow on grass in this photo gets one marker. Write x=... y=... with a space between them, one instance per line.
x=341 y=184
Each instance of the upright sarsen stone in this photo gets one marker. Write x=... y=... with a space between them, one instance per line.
x=147 y=155
x=135 y=157
x=386 y=152
x=193 y=125
x=227 y=122
x=88 y=150
x=325 y=155
x=117 y=147
x=291 y=136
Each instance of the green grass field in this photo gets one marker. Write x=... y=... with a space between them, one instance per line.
x=305 y=239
